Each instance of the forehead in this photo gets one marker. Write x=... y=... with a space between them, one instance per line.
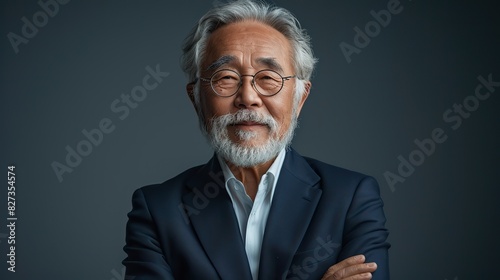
x=248 y=44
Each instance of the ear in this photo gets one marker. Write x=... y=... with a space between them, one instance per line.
x=305 y=94
x=190 y=92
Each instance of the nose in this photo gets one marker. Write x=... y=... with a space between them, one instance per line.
x=246 y=96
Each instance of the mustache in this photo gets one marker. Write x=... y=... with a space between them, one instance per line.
x=246 y=115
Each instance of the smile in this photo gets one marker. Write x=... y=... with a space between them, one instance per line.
x=249 y=125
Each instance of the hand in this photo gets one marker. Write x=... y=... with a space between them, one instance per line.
x=353 y=268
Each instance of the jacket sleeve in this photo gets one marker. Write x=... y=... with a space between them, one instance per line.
x=365 y=231
x=145 y=259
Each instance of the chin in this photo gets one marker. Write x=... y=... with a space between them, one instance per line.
x=247 y=138
x=253 y=143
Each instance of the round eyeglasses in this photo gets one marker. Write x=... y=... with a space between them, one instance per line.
x=226 y=82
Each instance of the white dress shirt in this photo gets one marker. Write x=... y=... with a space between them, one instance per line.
x=252 y=215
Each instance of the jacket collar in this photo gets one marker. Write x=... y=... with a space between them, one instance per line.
x=212 y=216
x=295 y=199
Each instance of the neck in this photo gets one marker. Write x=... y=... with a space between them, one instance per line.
x=250 y=176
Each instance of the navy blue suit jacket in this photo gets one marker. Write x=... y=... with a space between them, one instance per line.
x=186 y=228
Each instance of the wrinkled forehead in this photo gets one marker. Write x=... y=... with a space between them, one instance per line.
x=247 y=44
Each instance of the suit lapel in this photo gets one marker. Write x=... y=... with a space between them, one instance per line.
x=212 y=217
x=294 y=202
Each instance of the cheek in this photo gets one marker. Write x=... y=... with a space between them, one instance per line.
x=206 y=104
x=285 y=124
x=215 y=106
x=282 y=113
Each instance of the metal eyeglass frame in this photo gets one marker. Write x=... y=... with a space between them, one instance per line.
x=283 y=79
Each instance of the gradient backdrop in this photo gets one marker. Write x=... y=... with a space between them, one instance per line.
x=366 y=110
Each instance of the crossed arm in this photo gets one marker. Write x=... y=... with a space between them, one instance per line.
x=363 y=235
x=364 y=232
x=353 y=268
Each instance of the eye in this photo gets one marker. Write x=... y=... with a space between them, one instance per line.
x=225 y=76
x=266 y=78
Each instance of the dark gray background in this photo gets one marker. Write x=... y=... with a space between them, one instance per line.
x=360 y=115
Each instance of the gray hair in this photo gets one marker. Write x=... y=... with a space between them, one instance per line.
x=280 y=19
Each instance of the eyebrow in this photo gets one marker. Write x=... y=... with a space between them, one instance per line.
x=271 y=63
x=220 y=61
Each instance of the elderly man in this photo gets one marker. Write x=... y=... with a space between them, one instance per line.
x=257 y=209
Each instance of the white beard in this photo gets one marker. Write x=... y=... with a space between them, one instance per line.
x=247 y=155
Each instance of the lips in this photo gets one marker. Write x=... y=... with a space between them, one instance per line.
x=248 y=119
x=248 y=123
